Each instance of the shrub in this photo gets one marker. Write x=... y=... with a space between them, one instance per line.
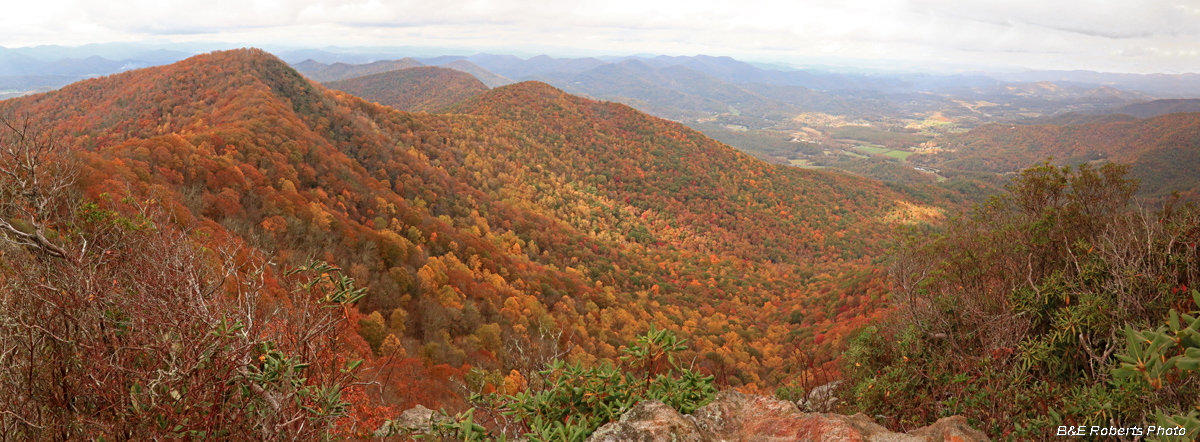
x=1011 y=316
x=576 y=400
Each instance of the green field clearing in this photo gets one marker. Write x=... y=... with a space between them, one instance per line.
x=805 y=164
x=901 y=155
x=874 y=150
x=876 y=136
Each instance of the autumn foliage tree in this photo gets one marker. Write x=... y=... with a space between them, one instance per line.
x=527 y=223
x=116 y=323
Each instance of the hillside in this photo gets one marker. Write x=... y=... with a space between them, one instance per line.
x=517 y=68
x=533 y=219
x=420 y=89
x=341 y=71
x=308 y=66
x=675 y=87
x=1164 y=150
x=325 y=73
x=803 y=118
x=487 y=77
x=1072 y=118
x=1159 y=107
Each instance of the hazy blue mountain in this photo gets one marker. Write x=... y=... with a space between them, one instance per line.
x=150 y=55
x=438 y=61
x=1160 y=85
x=15 y=63
x=40 y=68
x=343 y=71
x=323 y=56
x=639 y=85
x=1159 y=107
x=308 y=66
x=519 y=69
x=488 y=78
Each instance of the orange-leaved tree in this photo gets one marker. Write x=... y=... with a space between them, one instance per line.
x=118 y=323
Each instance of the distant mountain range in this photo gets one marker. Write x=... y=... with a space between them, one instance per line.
x=322 y=72
x=759 y=110
x=1159 y=107
x=48 y=67
x=341 y=71
x=1159 y=85
x=687 y=88
x=52 y=66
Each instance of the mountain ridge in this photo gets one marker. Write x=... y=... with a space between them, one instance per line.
x=1161 y=149
x=415 y=89
x=342 y=71
x=529 y=207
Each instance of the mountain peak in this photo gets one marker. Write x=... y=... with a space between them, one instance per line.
x=416 y=89
x=134 y=103
x=528 y=93
x=531 y=89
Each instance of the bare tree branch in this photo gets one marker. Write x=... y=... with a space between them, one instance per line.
x=35 y=172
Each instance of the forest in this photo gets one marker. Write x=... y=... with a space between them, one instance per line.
x=222 y=249
x=1060 y=302
x=1162 y=149
x=418 y=89
x=529 y=224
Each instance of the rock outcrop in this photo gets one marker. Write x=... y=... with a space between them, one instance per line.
x=650 y=421
x=736 y=417
x=821 y=399
x=414 y=420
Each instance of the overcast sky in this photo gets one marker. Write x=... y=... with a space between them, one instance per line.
x=1118 y=36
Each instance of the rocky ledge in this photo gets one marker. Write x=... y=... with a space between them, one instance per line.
x=733 y=416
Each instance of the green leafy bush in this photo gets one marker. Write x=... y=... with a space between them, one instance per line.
x=1012 y=315
x=576 y=400
x=1166 y=358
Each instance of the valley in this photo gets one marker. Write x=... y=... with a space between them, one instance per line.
x=891 y=128
x=481 y=234
x=524 y=214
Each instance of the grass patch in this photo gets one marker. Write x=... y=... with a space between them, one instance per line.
x=804 y=164
x=876 y=136
x=874 y=150
x=901 y=155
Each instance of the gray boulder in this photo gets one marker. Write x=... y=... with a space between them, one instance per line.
x=417 y=419
x=649 y=421
x=737 y=417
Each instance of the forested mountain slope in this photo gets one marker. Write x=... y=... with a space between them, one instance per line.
x=1164 y=151
x=487 y=77
x=1159 y=107
x=531 y=222
x=418 y=89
